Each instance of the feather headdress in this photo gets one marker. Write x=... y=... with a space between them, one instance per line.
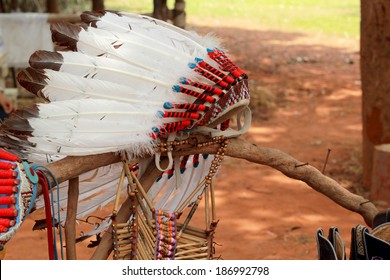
x=122 y=82
x=119 y=83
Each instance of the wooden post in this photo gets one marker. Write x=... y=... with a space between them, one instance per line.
x=97 y=5
x=14 y=5
x=160 y=9
x=53 y=6
x=2 y=7
x=380 y=187
x=179 y=14
x=70 y=223
x=375 y=72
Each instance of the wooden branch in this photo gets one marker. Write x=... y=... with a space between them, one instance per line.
x=289 y=166
x=295 y=169
x=70 y=223
x=72 y=18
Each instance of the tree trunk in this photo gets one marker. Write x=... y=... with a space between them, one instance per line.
x=97 y=5
x=375 y=73
x=179 y=14
x=53 y=6
x=14 y=5
x=160 y=9
x=2 y=7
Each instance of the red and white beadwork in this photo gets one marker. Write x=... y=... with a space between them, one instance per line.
x=15 y=194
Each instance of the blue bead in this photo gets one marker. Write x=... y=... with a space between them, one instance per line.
x=183 y=80
x=167 y=105
x=176 y=88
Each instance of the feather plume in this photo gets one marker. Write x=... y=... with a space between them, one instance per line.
x=119 y=82
x=167 y=194
x=99 y=188
x=109 y=90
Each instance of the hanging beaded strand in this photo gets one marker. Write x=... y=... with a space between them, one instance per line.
x=166 y=235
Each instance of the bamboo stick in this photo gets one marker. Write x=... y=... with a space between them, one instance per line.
x=140 y=188
x=122 y=225
x=124 y=230
x=184 y=205
x=146 y=234
x=143 y=208
x=132 y=178
x=105 y=246
x=182 y=246
x=192 y=256
x=123 y=242
x=189 y=217
x=191 y=237
x=199 y=233
x=185 y=252
x=70 y=223
x=213 y=208
x=125 y=235
x=118 y=193
x=141 y=248
x=207 y=210
x=195 y=229
x=187 y=244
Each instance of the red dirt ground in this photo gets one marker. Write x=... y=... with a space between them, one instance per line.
x=306 y=99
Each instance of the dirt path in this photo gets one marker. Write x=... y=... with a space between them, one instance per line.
x=306 y=96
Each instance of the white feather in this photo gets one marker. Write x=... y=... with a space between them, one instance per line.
x=97 y=188
x=184 y=45
x=151 y=30
x=124 y=47
x=64 y=86
x=166 y=194
x=119 y=72
x=92 y=126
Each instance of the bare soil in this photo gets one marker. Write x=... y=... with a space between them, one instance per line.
x=306 y=100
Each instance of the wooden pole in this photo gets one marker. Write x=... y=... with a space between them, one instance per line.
x=289 y=166
x=2 y=7
x=14 y=6
x=179 y=14
x=70 y=223
x=97 y=5
x=160 y=9
x=53 y=6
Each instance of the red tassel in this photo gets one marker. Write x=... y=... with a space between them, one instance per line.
x=7 y=222
x=8 y=156
x=9 y=182
x=8 y=174
x=3 y=228
x=7 y=165
x=7 y=200
x=8 y=212
x=8 y=189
